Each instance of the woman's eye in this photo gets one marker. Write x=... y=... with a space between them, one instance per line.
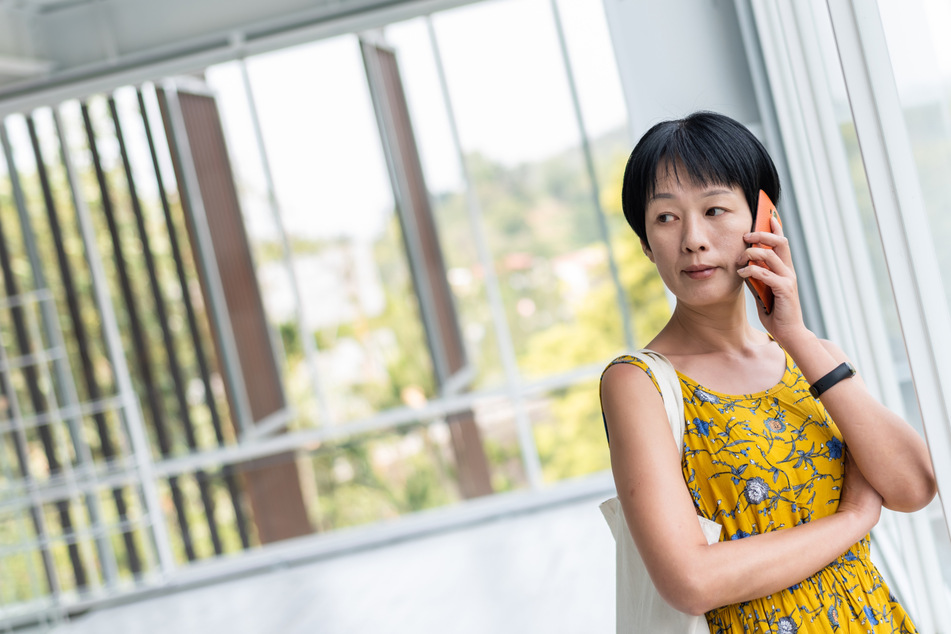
x=715 y=211
x=663 y=218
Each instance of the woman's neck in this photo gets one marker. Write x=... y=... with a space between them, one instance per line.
x=710 y=329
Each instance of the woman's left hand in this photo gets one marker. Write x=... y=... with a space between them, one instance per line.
x=772 y=250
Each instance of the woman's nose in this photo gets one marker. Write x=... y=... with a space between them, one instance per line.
x=694 y=237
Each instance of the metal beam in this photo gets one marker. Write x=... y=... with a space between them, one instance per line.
x=187 y=55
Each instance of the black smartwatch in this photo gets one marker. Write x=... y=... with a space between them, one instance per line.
x=841 y=372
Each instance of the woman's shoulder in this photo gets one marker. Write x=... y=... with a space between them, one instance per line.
x=627 y=370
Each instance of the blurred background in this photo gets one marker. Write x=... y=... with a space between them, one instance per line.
x=305 y=302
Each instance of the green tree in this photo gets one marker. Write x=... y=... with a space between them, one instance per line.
x=572 y=442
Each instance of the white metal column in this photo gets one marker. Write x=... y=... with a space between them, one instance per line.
x=793 y=50
x=902 y=221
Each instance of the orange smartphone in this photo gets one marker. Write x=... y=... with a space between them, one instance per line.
x=765 y=209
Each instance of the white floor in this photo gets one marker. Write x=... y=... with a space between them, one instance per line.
x=550 y=570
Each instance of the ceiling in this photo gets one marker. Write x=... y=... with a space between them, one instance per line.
x=65 y=44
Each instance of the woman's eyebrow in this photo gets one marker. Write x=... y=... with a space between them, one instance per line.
x=707 y=194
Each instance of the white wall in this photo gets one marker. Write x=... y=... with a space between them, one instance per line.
x=678 y=56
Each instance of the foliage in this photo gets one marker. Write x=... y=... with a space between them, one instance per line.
x=531 y=215
x=359 y=483
x=571 y=442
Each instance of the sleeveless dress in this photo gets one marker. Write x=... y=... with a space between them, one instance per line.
x=763 y=462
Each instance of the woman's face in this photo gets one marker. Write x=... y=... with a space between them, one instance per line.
x=696 y=237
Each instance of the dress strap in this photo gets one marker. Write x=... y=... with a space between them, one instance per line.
x=661 y=371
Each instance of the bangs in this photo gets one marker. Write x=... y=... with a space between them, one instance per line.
x=698 y=163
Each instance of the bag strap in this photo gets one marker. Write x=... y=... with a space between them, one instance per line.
x=669 y=384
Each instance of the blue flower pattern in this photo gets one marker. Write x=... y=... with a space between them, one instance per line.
x=702 y=426
x=835 y=447
x=833 y=615
x=756 y=463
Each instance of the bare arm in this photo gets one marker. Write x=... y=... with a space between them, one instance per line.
x=890 y=453
x=886 y=448
x=691 y=575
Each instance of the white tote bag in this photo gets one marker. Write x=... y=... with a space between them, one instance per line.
x=640 y=609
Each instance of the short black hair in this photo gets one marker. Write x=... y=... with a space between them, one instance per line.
x=710 y=148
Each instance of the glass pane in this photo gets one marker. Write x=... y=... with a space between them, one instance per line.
x=570 y=418
x=523 y=148
x=448 y=195
x=335 y=203
x=596 y=78
x=382 y=476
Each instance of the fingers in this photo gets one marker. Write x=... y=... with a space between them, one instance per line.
x=850 y=465
x=776 y=226
x=763 y=274
x=857 y=480
x=849 y=460
x=778 y=277
x=766 y=239
x=773 y=239
x=771 y=248
x=771 y=259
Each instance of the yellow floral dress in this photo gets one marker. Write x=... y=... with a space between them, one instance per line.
x=763 y=462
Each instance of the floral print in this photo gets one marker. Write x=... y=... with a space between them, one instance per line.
x=702 y=426
x=756 y=490
x=762 y=462
x=833 y=616
x=835 y=448
x=786 y=625
x=705 y=397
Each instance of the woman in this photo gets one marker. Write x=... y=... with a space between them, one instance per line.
x=762 y=456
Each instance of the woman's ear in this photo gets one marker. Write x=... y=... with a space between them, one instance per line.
x=647 y=250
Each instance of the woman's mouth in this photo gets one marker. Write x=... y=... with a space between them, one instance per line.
x=699 y=271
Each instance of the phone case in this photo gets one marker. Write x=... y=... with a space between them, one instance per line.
x=765 y=209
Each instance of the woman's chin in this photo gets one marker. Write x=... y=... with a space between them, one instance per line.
x=712 y=301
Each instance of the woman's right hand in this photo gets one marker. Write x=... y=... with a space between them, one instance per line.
x=858 y=497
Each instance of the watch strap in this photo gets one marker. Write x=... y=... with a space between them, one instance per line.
x=839 y=373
